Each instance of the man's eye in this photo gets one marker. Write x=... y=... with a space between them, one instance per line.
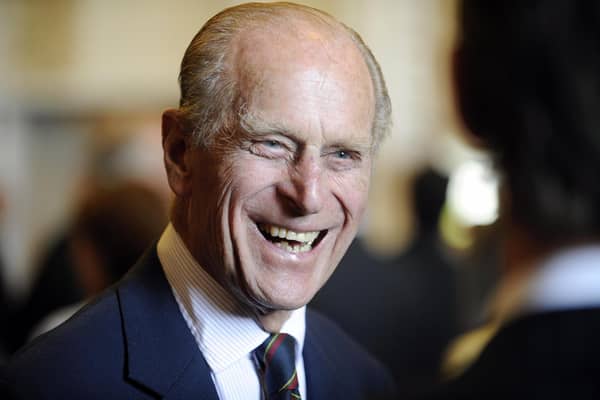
x=272 y=143
x=268 y=148
x=344 y=159
x=343 y=154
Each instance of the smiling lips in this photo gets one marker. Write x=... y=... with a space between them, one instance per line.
x=291 y=241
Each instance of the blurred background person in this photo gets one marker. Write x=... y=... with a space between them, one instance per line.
x=5 y=305
x=54 y=286
x=406 y=307
x=111 y=230
x=91 y=248
x=528 y=88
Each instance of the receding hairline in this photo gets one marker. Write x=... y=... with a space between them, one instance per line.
x=216 y=42
x=300 y=27
x=287 y=20
x=249 y=66
x=270 y=12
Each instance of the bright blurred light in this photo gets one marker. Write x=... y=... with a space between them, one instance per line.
x=473 y=193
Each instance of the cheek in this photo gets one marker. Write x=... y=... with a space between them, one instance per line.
x=210 y=197
x=250 y=177
x=352 y=192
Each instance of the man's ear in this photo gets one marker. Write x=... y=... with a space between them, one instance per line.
x=177 y=147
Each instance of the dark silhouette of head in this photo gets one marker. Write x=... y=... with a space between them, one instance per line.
x=528 y=80
x=111 y=230
x=429 y=196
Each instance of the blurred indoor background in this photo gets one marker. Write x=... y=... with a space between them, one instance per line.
x=82 y=87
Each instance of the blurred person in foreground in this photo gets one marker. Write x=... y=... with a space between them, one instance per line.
x=407 y=310
x=111 y=229
x=269 y=157
x=528 y=81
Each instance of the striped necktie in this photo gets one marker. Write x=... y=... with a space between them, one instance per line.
x=276 y=359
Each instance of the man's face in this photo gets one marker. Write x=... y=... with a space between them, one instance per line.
x=274 y=208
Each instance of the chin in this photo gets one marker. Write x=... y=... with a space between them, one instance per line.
x=291 y=304
x=294 y=300
x=278 y=301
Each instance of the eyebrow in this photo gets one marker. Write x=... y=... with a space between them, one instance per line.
x=255 y=125
x=357 y=146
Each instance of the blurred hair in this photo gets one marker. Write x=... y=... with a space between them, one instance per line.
x=120 y=221
x=429 y=196
x=528 y=77
x=209 y=100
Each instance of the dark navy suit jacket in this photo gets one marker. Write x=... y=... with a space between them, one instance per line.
x=548 y=355
x=133 y=343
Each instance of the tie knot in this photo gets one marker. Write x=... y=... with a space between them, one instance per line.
x=276 y=358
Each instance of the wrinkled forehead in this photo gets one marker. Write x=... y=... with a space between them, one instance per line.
x=304 y=60
x=300 y=41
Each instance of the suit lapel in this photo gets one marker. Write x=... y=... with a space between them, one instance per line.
x=162 y=355
x=321 y=379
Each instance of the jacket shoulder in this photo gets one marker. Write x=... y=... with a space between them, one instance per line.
x=82 y=352
x=327 y=344
x=550 y=355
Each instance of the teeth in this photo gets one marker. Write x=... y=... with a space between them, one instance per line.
x=295 y=248
x=310 y=237
x=306 y=238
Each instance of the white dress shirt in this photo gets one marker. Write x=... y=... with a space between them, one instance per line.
x=226 y=331
x=568 y=279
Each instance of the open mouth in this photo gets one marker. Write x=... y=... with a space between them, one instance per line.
x=294 y=242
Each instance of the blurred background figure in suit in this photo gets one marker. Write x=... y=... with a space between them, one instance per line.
x=114 y=180
x=111 y=229
x=406 y=306
x=528 y=89
x=5 y=303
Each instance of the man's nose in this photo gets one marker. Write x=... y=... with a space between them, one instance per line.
x=303 y=191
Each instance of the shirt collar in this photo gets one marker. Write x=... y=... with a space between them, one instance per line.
x=224 y=329
x=568 y=279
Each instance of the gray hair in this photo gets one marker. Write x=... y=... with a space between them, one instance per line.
x=210 y=103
